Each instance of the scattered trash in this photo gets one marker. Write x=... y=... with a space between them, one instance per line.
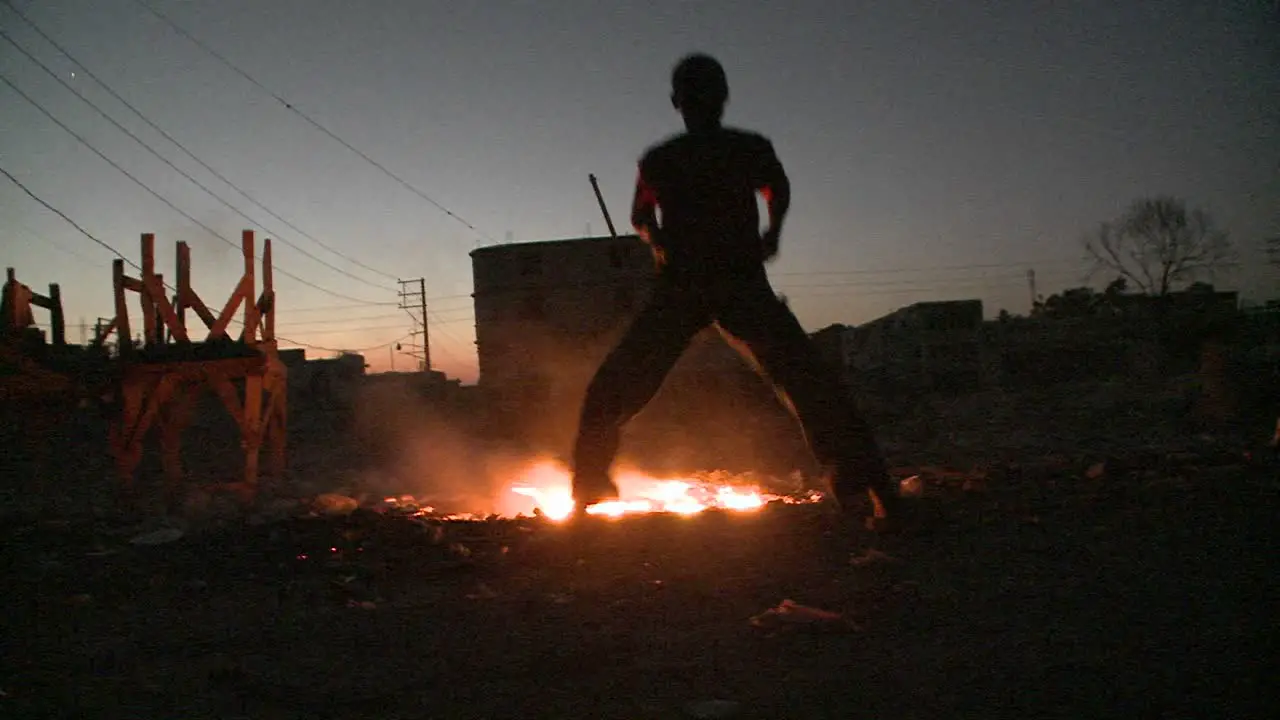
x=872 y=557
x=1096 y=471
x=912 y=487
x=789 y=612
x=157 y=537
x=334 y=504
x=362 y=604
x=711 y=709
x=483 y=592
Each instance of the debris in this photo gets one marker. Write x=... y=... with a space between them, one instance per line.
x=1096 y=471
x=912 y=487
x=711 y=709
x=560 y=598
x=162 y=536
x=872 y=557
x=334 y=504
x=789 y=612
x=362 y=604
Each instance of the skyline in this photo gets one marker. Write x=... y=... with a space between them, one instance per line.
x=934 y=156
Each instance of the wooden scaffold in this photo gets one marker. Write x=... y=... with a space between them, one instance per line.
x=161 y=379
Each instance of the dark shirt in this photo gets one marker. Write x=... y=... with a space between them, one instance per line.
x=705 y=185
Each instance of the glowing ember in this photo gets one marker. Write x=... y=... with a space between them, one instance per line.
x=547 y=486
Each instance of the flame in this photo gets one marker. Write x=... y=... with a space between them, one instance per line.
x=546 y=488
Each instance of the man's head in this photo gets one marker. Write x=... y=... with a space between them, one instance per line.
x=699 y=90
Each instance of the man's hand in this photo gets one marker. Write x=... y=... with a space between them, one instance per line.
x=769 y=241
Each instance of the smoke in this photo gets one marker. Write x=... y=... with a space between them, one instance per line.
x=431 y=448
x=714 y=412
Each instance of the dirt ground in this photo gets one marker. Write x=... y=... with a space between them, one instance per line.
x=1047 y=594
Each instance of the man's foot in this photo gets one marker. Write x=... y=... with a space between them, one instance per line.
x=592 y=490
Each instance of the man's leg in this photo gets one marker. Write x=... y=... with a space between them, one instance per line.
x=835 y=430
x=627 y=380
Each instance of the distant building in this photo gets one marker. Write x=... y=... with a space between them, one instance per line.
x=925 y=345
x=836 y=343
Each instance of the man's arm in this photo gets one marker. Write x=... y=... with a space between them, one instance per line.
x=775 y=187
x=644 y=209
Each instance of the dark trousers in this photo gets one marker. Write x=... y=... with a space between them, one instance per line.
x=764 y=330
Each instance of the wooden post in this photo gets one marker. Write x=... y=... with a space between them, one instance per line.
x=10 y=300
x=148 y=303
x=250 y=296
x=268 y=293
x=57 y=322
x=183 y=276
x=124 y=335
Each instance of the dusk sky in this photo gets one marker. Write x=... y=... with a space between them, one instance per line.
x=936 y=150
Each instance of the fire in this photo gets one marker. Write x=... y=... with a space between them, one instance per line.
x=547 y=485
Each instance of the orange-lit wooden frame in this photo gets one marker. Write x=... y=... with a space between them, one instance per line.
x=160 y=381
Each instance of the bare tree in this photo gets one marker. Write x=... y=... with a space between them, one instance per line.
x=1158 y=244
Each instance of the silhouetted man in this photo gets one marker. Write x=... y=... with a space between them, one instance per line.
x=711 y=254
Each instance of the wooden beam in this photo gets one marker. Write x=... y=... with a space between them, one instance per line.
x=103 y=332
x=155 y=288
x=57 y=323
x=124 y=336
x=219 y=328
x=250 y=296
x=149 y=335
x=10 y=303
x=183 y=278
x=268 y=305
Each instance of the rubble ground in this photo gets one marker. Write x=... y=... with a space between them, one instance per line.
x=1051 y=593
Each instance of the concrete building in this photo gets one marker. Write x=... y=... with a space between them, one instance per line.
x=546 y=314
x=534 y=300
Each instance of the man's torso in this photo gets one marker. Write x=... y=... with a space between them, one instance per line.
x=706 y=184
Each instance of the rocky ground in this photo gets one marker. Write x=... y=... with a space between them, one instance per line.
x=1071 y=580
x=1049 y=596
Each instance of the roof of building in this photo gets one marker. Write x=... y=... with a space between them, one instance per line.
x=550 y=244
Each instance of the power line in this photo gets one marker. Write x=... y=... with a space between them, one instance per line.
x=158 y=196
x=331 y=308
x=329 y=321
x=166 y=161
x=979 y=266
x=64 y=216
x=121 y=255
x=32 y=24
x=289 y=106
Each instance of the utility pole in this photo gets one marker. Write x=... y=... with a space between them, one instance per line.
x=414 y=300
x=1031 y=285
